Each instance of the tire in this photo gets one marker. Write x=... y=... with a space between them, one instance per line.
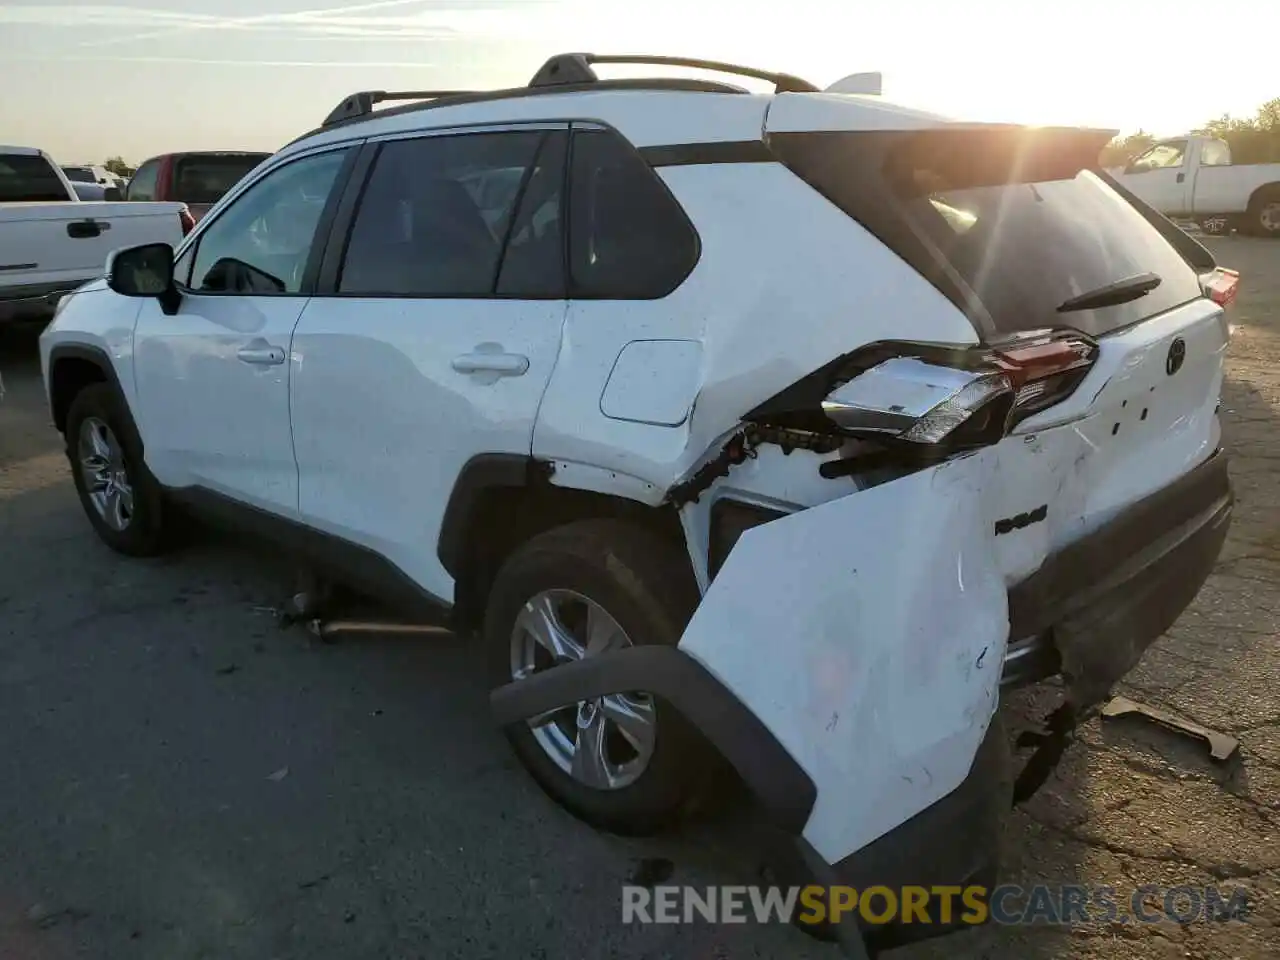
x=1264 y=213
x=643 y=583
x=98 y=411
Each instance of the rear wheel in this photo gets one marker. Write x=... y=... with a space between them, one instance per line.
x=1264 y=213
x=119 y=496
x=628 y=762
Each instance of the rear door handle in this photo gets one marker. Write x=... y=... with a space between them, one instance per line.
x=492 y=362
x=85 y=229
x=261 y=354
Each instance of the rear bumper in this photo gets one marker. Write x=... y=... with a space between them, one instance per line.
x=1094 y=608
x=954 y=842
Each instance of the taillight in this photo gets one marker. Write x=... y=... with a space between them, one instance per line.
x=187 y=220
x=1221 y=285
x=958 y=399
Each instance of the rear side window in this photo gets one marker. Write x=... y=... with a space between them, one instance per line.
x=1026 y=227
x=628 y=237
x=204 y=179
x=143 y=184
x=437 y=212
x=29 y=179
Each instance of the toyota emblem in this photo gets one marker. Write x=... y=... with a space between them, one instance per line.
x=1177 y=354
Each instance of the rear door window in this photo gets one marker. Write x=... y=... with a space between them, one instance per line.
x=437 y=213
x=26 y=178
x=1025 y=225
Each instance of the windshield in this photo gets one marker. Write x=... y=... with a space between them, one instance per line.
x=25 y=178
x=204 y=179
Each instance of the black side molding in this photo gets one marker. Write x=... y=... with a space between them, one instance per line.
x=481 y=473
x=361 y=567
x=785 y=792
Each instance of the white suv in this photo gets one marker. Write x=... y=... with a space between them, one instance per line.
x=772 y=429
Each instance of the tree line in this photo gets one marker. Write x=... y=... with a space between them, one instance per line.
x=1254 y=139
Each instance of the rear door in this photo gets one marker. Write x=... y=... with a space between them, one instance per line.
x=433 y=336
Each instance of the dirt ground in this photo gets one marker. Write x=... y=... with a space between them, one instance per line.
x=179 y=779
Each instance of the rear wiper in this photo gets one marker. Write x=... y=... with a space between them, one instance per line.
x=1113 y=294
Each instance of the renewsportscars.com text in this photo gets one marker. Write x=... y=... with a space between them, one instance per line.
x=973 y=905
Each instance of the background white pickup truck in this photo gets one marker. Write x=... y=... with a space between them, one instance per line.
x=51 y=241
x=1193 y=177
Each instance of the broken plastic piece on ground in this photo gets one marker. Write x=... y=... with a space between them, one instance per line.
x=1221 y=746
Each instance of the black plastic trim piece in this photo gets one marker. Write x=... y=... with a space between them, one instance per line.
x=327 y=553
x=578 y=67
x=99 y=358
x=785 y=792
x=38 y=291
x=483 y=472
x=333 y=249
x=724 y=151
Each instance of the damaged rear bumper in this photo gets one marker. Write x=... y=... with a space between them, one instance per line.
x=1093 y=608
x=954 y=842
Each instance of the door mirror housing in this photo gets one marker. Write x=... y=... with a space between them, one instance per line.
x=145 y=271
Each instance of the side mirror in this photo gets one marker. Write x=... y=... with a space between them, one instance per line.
x=145 y=271
x=112 y=193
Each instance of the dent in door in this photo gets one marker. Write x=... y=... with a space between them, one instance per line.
x=868 y=635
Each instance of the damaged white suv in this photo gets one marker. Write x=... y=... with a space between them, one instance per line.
x=772 y=429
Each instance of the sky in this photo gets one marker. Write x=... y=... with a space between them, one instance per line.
x=86 y=81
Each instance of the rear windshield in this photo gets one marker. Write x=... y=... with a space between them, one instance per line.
x=1025 y=226
x=79 y=174
x=205 y=179
x=29 y=179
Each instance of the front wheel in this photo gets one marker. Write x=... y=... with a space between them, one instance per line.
x=628 y=762
x=119 y=496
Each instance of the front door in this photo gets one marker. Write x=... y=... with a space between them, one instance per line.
x=1160 y=177
x=213 y=379
x=434 y=339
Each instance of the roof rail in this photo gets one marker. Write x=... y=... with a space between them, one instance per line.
x=361 y=104
x=575 y=68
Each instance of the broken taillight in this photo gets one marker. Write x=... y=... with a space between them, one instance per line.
x=959 y=399
x=1221 y=285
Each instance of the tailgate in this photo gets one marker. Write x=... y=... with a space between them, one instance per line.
x=70 y=242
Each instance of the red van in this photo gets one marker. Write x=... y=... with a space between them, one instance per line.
x=197 y=179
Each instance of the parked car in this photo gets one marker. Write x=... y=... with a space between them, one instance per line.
x=1193 y=177
x=772 y=430
x=197 y=179
x=92 y=174
x=52 y=240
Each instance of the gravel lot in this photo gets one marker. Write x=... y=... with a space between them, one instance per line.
x=180 y=779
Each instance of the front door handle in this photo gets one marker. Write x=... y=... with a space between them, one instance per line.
x=491 y=359
x=1181 y=177
x=261 y=354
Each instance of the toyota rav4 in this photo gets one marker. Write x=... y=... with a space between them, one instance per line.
x=765 y=431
